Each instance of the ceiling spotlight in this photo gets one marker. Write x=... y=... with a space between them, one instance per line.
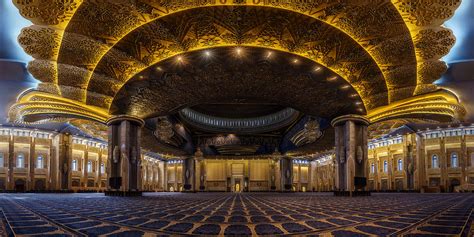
x=358 y=102
x=360 y=109
x=332 y=78
x=140 y=77
x=317 y=69
x=179 y=59
x=269 y=54
x=295 y=61
x=159 y=69
x=345 y=87
x=353 y=95
x=238 y=51
x=207 y=53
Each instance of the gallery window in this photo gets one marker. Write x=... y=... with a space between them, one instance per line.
x=400 y=165
x=372 y=168
x=74 y=165
x=20 y=160
x=102 y=168
x=39 y=162
x=89 y=166
x=2 y=160
x=434 y=161
x=454 y=160
x=385 y=166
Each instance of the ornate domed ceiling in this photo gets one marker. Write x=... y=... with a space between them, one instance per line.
x=97 y=59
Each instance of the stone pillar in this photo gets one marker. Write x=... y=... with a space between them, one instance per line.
x=351 y=152
x=419 y=165
x=124 y=160
x=99 y=173
x=189 y=177
x=410 y=167
x=165 y=176
x=53 y=163
x=85 y=172
x=443 y=164
x=32 y=165
x=274 y=168
x=463 y=160
x=64 y=161
x=11 y=158
x=286 y=174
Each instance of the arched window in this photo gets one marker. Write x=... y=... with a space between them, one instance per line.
x=20 y=160
x=372 y=168
x=2 y=160
x=385 y=166
x=89 y=166
x=39 y=162
x=400 y=165
x=434 y=161
x=102 y=168
x=454 y=160
x=74 y=165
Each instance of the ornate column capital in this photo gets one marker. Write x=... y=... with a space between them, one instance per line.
x=350 y=117
x=119 y=118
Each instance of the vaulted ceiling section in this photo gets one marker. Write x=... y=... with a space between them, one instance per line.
x=86 y=51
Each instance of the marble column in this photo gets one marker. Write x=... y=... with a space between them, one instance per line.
x=85 y=171
x=11 y=159
x=31 y=165
x=351 y=152
x=64 y=161
x=286 y=174
x=124 y=160
x=99 y=173
x=165 y=176
x=189 y=177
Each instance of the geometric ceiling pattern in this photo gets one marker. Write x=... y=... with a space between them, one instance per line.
x=85 y=51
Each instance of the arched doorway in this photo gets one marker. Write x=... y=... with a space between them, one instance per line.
x=19 y=185
x=40 y=185
x=453 y=184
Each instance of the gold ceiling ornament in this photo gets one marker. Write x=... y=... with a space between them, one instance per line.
x=96 y=129
x=380 y=129
x=40 y=106
x=432 y=41
x=42 y=40
x=87 y=50
x=441 y=106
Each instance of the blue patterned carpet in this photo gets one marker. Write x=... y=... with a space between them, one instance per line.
x=236 y=214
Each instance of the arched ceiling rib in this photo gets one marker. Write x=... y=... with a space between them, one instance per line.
x=77 y=44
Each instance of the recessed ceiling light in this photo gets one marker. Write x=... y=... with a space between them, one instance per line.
x=345 y=87
x=269 y=54
x=295 y=60
x=207 y=53
x=332 y=78
x=317 y=68
x=238 y=51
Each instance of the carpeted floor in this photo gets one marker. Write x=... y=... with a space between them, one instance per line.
x=237 y=214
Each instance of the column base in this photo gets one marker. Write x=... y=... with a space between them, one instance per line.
x=123 y=193
x=351 y=193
